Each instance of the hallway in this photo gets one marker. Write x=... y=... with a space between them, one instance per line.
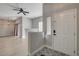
x=13 y=46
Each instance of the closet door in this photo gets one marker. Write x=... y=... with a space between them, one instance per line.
x=64 y=38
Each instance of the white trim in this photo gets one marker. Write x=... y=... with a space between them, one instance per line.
x=75 y=28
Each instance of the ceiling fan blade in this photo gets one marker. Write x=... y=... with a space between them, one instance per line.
x=18 y=12
x=26 y=12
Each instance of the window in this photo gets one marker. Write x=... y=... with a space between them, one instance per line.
x=49 y=26
x=40 y=26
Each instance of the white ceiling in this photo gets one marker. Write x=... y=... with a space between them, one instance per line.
x=35 y=9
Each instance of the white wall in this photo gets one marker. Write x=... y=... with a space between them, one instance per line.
x=26 y=24
x=35 y=41
x=35 y=22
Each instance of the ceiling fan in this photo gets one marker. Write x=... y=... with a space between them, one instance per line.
x=20 y=10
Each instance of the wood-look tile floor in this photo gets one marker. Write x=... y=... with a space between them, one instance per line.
x=13 y=46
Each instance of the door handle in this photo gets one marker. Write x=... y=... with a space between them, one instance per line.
x=54 y=32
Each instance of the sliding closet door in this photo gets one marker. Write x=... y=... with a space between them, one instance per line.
x=63 y=34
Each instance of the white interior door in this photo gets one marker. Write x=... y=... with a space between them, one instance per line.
x=64 y=26
x=58 y=27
